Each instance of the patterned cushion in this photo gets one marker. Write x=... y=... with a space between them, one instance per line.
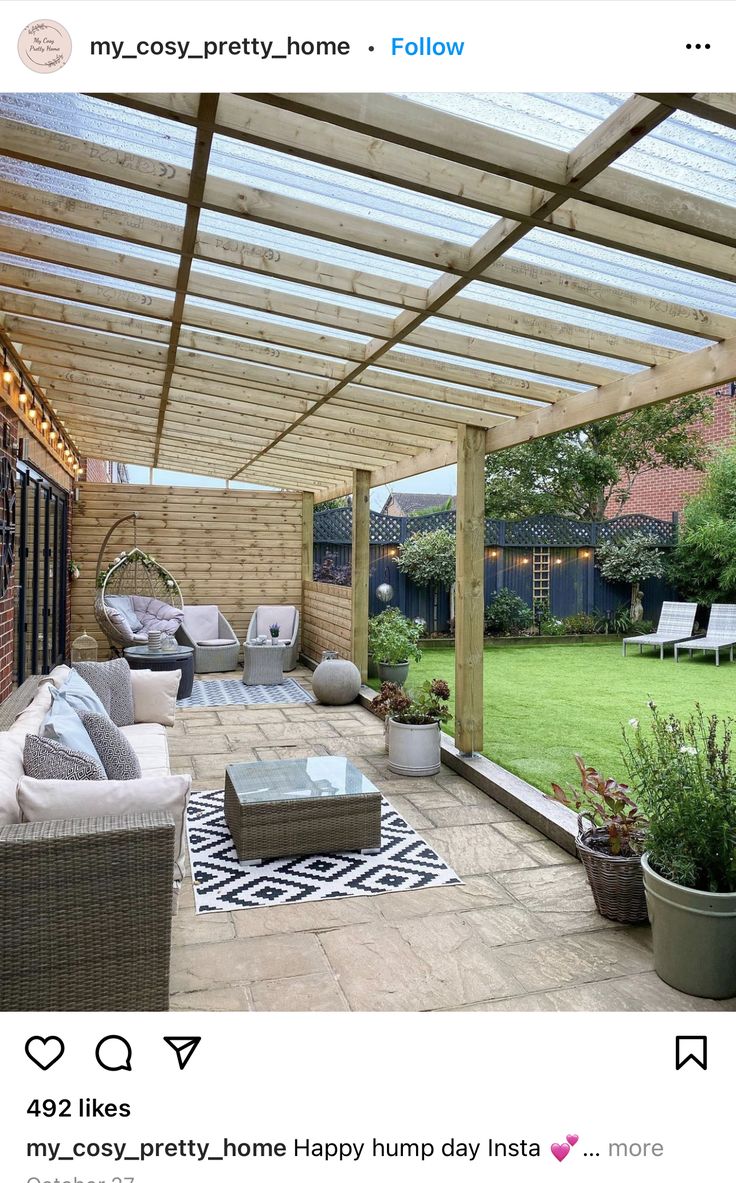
x=111 y=682
x=118 y=758
x=63 y=725
x=45 y=759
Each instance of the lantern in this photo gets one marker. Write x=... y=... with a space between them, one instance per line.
x=84 y=648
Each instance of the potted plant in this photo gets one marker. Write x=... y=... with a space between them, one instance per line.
x=684 y=776
x=274 y=630
x=390 y=700
x=414 y=731
x=74 y=569
x=392 y=639
x=610 y=848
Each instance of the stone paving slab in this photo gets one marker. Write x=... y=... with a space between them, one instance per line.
x=520 y=934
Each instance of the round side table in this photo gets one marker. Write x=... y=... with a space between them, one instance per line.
x=140 y=657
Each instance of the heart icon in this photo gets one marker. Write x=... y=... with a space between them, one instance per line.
x=572 y=1138
x=44 y=1051
x=560 y=1150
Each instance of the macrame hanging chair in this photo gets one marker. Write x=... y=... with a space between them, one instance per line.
x=133 y=573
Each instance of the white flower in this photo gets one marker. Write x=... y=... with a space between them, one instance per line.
x=651 y=703
x=634 y=723
x=687 y=751
x=669 y=728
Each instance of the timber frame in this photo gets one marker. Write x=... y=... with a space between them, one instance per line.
x=152 y=307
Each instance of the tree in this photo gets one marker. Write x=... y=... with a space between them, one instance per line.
x=428 y=559
x=703 y=563
x=335 y=503
x=579 y=473
x=630 y=560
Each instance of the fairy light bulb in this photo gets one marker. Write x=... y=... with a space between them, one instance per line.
x=7 y=372
x=52 y=436
x=22 y=397
x=45 y=424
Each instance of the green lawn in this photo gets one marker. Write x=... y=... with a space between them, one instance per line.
x=544 y=703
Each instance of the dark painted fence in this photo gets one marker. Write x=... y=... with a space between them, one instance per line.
x=566 y=548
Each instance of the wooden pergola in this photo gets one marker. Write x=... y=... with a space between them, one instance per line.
x=329 y=292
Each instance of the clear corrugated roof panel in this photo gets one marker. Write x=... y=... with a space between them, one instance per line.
x=661 y=281
x=269 y=319
x=684 y=151
x=128 y=201
x=116 y=127
x=290 y=241
x=335 y=189
x=302 y=291
x=491 y=367
x=515 y=342
x=67 y=234
x=103 y=280
x=585 y=317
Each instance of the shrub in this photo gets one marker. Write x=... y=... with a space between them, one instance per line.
x=630 y=560
x=392 y=637
x=552 y=626
x=583 y=623
x=507 y=613
x=684 y=777
x=703 y=563
x=428 y=558
x=329 y=571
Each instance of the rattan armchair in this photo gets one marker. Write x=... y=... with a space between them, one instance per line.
x=211 y=636
x=287 y=618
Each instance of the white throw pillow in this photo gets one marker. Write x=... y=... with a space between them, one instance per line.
x=154 y=695
x=55 y=800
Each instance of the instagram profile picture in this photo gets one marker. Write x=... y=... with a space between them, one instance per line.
x=44 y=46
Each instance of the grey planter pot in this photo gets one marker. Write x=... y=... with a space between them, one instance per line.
x=694 y=935
x=393 y=673
x=414 y=748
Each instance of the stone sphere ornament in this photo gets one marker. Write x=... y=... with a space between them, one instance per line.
x=385 y=593
x=336 y=682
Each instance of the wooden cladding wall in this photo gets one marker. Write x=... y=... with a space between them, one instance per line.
x=233 y=548
x=326 y=618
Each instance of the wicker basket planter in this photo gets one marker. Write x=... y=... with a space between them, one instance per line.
x=616 y=881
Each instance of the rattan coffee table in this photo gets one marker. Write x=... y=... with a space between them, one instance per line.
x=282 y=808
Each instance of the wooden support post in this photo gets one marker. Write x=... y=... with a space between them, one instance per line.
x=470 y=531
x=361 y=567
x=307 y=536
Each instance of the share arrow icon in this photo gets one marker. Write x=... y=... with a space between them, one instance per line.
x=184 y=1046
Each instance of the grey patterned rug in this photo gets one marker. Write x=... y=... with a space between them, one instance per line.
x=227 y=692
x=221 y=884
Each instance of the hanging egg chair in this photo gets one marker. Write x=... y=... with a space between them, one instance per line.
x=135 y=590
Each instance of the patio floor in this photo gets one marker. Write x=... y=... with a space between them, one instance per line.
x=520 y=934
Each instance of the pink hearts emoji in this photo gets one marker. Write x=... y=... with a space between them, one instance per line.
x=560 y=1150
x=572 y=1138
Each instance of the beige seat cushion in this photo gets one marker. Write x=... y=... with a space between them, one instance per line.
x=55 y=800
x=11 y=770
x=148 y=741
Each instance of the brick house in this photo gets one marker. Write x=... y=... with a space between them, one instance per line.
x=401 y=505
x=663 y=492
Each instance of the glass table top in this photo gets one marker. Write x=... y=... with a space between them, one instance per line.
x=146 y=651
x=292 y=780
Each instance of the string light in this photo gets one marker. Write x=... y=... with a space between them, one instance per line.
x=41 y=415
x=45 y=424
x=7 y=373
x=22 y=397
x=33 y=412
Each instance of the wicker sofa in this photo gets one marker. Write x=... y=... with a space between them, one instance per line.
x=86 y=902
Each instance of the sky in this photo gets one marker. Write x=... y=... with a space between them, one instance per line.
x=441 y=481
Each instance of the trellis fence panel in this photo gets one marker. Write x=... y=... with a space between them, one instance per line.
x=575 y=582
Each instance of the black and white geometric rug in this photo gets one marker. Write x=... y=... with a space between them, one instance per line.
x=228 y=692
x=221 y=884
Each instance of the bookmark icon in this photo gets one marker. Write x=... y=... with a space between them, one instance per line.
x=184 y=1047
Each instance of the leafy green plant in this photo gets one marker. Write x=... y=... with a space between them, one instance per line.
x=428 y=704
x=684 y=777
x=607 y=805
x=392 y=637
x=548 y=625
x=584 y=623
x=428 y=558
x=630 y=560
x=703 y=563
x=135 y=556
x=507 y=613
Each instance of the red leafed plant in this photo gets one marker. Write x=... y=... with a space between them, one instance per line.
x=608 y=807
